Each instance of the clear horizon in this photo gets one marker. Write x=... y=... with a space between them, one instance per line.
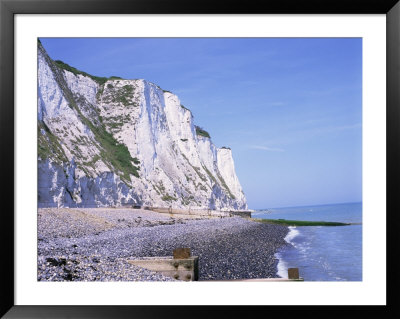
x=311 y=205
x=289 y=108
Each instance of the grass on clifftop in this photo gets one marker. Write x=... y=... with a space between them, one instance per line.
x=201 y=132
x=98 y=79
x=298 y=222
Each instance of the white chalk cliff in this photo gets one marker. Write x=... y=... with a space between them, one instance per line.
x=112 y=142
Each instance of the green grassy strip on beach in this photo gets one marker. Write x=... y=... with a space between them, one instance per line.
x=298 y=222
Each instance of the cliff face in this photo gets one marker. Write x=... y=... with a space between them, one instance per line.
x=110 y=142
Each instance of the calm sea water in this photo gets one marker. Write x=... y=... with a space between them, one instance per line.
x=322 y=253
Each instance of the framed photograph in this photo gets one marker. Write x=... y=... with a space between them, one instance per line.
x=148 y=144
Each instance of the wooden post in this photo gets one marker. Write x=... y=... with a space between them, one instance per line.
x=293 y=273
x=181 y=253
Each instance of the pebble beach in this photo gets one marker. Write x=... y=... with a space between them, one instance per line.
x=94 y=244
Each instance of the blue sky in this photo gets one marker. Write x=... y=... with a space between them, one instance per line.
x=290 y=108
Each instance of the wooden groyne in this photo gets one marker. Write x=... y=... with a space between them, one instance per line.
x=168 y=210
x=195 y=211
x=183 y=266
x=241 y=213
x=293 y=275
x=190 y=211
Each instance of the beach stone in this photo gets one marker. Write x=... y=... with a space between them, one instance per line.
x=228 y=248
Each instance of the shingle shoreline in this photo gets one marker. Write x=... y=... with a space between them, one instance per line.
x=94 y=244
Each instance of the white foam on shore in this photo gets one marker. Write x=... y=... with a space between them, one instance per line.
x=282 y=265
x=293 y=232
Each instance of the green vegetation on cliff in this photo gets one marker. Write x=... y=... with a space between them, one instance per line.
x=201 y=132
x=115 y=153
x=98 y=79
x=49 y=146
x=168 y=198
x=112 y=152
x=65 y=66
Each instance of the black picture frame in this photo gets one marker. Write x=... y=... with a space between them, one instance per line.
x=8 y=10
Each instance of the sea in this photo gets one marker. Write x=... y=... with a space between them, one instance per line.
x=321 y=253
